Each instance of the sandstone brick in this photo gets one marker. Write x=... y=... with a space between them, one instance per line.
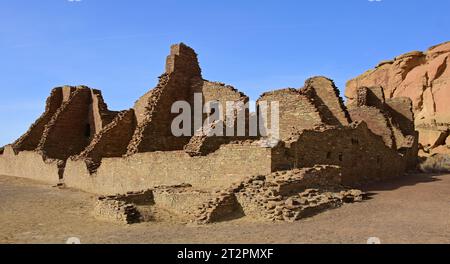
x=297 y=112
x=325 y=96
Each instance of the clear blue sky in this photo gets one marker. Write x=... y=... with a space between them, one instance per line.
x=119 y=46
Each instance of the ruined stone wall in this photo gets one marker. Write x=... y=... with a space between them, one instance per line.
x=72 y=117
x=377 y=122
x=361 y=154
x=155 y=134
x=325 y=96
x=220 y=169
x=400 y=109
x=402 y=118
x=140 y=106
x=281 y=158
x=181 y=201
x=202 y=143
x=296 y=112
x=29 y=165
x=99 y=115
x=115 y=211
x=392 y=119
x=154 y=110
x=69 y=130
x=215 y=91
x=30 y=140
x=314 y=129
x=369 y=96
x=111 y=141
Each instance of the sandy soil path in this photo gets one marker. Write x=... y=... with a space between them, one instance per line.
x=414 y=209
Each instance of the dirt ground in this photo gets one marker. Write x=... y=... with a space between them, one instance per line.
x=414 y=209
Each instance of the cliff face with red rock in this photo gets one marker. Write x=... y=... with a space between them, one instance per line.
x=422 y=76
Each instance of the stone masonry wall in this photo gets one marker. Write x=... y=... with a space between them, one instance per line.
x=296 y=111
x=325 y=96
x=154 y=114
x=69 y=131
x=142 y=171
x=29 y=165
x=377 y=122
x=401 y=111
x=392 y=119
x=134 y=150
x=30 y=140
x=99 y=114
x=112 y=141
x=360 y=153
x=72 y=117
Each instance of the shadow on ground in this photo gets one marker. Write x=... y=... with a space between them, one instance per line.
x=407 y=180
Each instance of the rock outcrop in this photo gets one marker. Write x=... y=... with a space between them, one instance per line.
x=424 y=77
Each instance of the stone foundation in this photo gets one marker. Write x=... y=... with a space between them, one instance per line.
x=116 y=211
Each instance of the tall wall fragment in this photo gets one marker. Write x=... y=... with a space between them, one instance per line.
x=325 y=96
x=392 y=119
x=72 y=117
x=297 y=112
x=153 y=111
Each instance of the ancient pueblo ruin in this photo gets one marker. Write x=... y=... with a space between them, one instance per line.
x=324 y=152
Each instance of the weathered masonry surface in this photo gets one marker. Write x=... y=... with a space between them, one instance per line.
x=79 y=142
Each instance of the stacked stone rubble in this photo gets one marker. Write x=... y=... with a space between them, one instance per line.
x=116 y=211
x=281 y=196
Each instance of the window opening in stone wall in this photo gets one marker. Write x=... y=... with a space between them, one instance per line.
x=87 y=131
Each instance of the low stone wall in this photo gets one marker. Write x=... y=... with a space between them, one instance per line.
x=115 y=211
x=181 y=201
x=28 y=164
x=231 y=163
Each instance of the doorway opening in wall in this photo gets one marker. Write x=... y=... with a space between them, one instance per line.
x=87 y=131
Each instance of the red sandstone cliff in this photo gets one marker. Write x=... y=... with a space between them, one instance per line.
x=422 y=76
